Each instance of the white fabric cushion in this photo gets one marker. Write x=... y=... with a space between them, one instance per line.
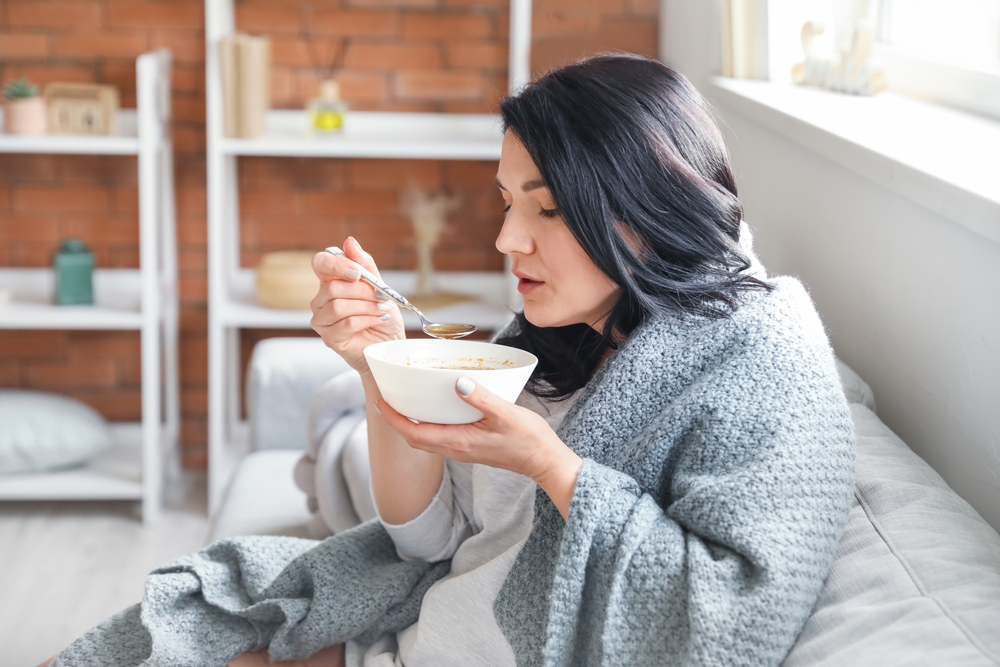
x=262 y=499
x=916 y=577
x=856 y=390
x=41 y=431
x=283 y=376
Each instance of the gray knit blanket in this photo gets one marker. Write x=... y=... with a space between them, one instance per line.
x=719 y=458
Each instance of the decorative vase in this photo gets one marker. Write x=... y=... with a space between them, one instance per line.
x=74 y=268
x=25 y=116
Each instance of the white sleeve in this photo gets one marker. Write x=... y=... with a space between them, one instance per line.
x=436 y=533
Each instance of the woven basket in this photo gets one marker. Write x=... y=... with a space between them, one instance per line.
x=286 y=280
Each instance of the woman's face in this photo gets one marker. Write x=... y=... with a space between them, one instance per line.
x=559 y=282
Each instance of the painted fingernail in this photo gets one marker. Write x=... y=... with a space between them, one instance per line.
x=465 y=386
x=379 y=294
x=375 y=405
x=352 y=274
x=385 y=305
x=385 y=317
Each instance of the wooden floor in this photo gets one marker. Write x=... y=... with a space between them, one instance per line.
x=64 y=566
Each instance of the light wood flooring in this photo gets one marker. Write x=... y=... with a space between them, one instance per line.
x=66 y=566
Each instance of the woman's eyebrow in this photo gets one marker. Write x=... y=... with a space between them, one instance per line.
x=526 y=187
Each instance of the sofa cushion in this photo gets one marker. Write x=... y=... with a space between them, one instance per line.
x=856 y=390
x=916 y=577
x=282 y=378
x=262 y=498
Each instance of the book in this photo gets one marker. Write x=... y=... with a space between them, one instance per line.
x=245 y=66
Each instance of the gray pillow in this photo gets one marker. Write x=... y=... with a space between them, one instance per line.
x=41 y=431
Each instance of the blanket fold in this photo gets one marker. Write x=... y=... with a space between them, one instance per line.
x=242 y=594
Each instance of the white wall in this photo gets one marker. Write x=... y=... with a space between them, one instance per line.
x=911 y=299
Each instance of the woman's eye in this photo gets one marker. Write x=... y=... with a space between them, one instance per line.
x=549 y=212
x=506 y=208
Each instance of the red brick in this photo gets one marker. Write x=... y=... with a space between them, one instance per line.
x=477 y=5
x=392 y=55
x=347 y=203
x=193 y=289
x=353 y=24
x=194 y=359
x=124 y=257
x=436 y=25
x=104 y=344
x=23 y=46
x=395 y=4
x=192 y=229
x=189 y=139
x=10 y=373
x=291 y=51
x=635 y=36
x=79 y=373
x=257 y=19
x=472 y=173
x=36 y=14
x=194 y=402
x=120 y=73
x=29 y=227
x=189 y=109
x=255 y=202
x=4 y=199
x=97 y=169
x=191 y=260
x=125 y=201
x=279 y=175
x=394 y=175
x=438 y=85
x=565 y=24
x=103 y=44
x=33 y=345
x=161 y=14
x=479 y=53
x=362 y=87
x=642 y=8
x=60 y=199
x=27 y=168
x=188 y=79
x=45 y=74
x=117 y=405
x=266 y=234
x=100 y=230
x=186 y=46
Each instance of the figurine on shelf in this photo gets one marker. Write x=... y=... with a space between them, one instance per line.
x=429 y=215
x=327 y=111
x=23 y=109
x=74 y=269
x=849 y=71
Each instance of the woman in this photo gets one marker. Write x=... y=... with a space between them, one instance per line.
x=670 y=487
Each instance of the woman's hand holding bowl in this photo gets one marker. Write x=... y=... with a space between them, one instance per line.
x=508 y=437
x=347 y=313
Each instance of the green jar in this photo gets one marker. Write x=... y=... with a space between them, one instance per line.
x=74 y=268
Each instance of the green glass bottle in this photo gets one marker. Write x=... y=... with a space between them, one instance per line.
x=74 y=267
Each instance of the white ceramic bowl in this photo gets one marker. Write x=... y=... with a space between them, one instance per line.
x=417 y=377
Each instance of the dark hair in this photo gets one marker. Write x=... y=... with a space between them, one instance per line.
x=640 y=174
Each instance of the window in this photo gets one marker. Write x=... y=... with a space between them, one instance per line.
x=945 y=51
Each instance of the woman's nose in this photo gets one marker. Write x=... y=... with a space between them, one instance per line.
x=513 y=238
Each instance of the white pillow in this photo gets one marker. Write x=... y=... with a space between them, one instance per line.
x=40 y=431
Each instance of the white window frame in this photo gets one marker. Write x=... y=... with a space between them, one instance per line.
x=968 y=88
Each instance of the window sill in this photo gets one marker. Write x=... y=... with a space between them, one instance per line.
x=942 y=159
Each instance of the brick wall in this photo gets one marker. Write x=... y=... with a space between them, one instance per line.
x=425 y=55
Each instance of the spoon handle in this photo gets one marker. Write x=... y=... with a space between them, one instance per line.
x=374 y=281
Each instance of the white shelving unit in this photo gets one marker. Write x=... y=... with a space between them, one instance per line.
x=232 y=305
x=143 y=300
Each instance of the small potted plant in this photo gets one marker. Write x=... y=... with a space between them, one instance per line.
x=24 y=108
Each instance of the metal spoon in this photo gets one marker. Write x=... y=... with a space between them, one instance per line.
x=433 y=329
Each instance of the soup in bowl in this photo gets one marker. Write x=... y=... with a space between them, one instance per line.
x=417 y=377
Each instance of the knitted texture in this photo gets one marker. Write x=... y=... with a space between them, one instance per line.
x=717 y=476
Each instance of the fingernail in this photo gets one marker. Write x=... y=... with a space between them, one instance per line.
x=379 y=294
x=385 y=305
x=385 y=317
x=375 y=405
x=352 y=274
x=465 y=386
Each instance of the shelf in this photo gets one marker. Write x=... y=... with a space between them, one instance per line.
x=116 y=292
x=114 y=475
x=124 y=142
x=370 y=134
x=488 y=312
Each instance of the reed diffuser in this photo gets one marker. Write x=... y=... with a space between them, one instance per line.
x=327 y=111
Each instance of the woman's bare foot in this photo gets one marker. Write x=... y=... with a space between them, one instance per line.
x=331 y=656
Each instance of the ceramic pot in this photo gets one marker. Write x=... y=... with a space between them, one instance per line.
x=25 y=116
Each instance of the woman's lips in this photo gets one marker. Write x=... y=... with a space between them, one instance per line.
x=525 y=285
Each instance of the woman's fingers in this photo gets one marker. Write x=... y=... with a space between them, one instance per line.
x=480 y=397
x=354 y=251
